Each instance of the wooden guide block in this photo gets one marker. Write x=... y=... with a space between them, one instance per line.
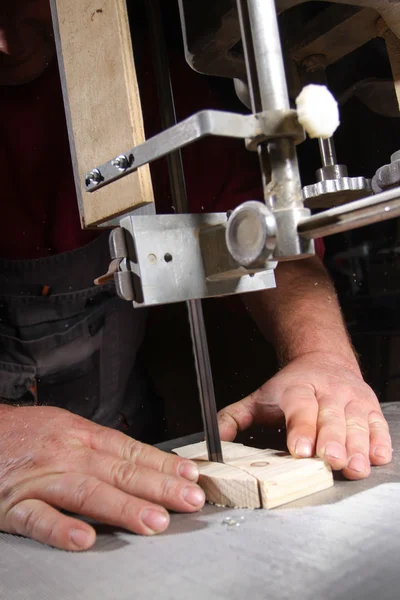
x=254 y=478
x=102 y=102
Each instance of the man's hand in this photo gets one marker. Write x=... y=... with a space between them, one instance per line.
x=328 y=408
x=50 y=458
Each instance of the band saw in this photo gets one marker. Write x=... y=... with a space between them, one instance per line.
x=159 y=259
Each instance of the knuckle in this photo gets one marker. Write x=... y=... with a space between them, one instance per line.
x=168 y=489
x=83 y=492
x=9 y=492
x=25 y=518
x=331 y=414
x=302 y=388
x=132 y=450
x=125 y=475
x=12 y=475
x=127 y=511
x=355 y=424
x=49 y=531
x=298 y=423
x=342 y=390
x=165 y=463
x=377 y=419
x=224 y=416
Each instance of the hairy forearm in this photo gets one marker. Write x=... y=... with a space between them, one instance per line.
x=302 y=315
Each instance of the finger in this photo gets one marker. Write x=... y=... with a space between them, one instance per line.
x=236 y=417
x=380 y=442
x=300 y=408
x=331 y=443
x=126 y=448
x=174 y=493
x=89 y=497
x=37 y=520
x=357 y=442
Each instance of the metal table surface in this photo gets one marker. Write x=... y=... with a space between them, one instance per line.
x=339 y=544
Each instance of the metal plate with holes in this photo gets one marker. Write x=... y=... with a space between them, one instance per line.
x=167 y=264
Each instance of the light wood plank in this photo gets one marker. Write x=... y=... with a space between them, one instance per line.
x=225 y=485
x=278 y=476
x=283 y=478
x=102 y=101
x=231 y=451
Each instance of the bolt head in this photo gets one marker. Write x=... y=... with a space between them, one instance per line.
x=120 y=162
x=94 y=177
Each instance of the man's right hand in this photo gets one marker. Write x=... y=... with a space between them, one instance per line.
x=51 y=459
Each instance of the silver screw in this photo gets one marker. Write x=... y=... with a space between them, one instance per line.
x=121 y=162
x=94 y=177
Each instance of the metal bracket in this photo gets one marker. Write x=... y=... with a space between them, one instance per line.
x=254 y=128
x=174 y=258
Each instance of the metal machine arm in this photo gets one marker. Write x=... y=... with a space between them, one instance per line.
x=175 y=258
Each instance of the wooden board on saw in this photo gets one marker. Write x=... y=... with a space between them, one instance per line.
x=102 y=102
x=254 y=478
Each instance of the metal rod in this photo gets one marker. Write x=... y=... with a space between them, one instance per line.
x=268 y=55
x=179 y=194
x=381 y=207
x=261 y=23
x=328 y=152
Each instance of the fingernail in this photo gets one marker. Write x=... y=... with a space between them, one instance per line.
x=80 y=538
x=194 y=496
x=335 y=450
x=381 y=452
x=303 y=447
x=357 y=463
x=189 y=471
x=155 y=520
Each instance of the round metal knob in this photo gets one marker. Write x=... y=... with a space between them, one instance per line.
x=251 y=234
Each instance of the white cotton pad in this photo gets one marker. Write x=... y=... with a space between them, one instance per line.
x=317 y=111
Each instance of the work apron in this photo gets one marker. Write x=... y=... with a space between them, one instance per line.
x=65 y=342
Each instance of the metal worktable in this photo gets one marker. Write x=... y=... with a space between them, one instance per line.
x=340 y=544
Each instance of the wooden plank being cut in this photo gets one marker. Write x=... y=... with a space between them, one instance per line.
x=254 y=478
x=102 y=101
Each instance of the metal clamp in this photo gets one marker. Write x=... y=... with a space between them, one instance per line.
x=254 y=128
x=174 y=258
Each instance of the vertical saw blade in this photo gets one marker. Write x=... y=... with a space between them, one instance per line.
x=204 y=380
x=178 y=189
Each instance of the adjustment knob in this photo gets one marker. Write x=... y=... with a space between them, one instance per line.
x=317 y=111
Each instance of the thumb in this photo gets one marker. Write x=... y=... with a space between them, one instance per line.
x=237 y=417
x=260 y=407
x=234 y=418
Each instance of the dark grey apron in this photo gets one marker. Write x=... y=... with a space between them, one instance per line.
x=65 y=342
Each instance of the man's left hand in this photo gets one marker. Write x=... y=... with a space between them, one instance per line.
x=329 y=411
